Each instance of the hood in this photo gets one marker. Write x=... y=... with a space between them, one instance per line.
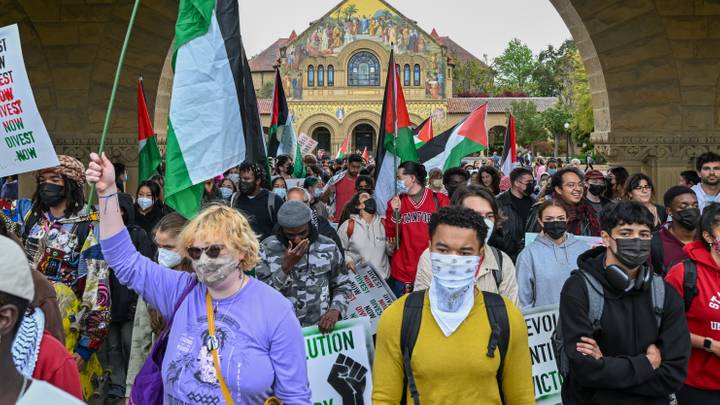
x=314 y=234
x=550 y=252
x=125 y=202
x=570 y=241
x=697 y=252
x=593 y=261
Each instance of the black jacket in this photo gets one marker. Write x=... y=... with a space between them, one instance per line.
x=511 y=239
x=259 y=212
x=624 y=375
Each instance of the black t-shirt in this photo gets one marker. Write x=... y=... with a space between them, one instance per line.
x=257 y=211
x=522 y=206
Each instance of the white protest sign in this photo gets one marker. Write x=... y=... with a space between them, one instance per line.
x=307 y=144
x=590 y=241
x=370 y=295
x=339 y=363
x=541 y=323
x=26 y=145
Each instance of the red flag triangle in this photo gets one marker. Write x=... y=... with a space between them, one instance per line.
x=474 y=126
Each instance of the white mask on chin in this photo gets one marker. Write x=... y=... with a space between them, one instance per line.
x=452 y=292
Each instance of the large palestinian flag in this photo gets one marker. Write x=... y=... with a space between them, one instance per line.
x=395 y=140
x=214 y=122
x=449 y=148
x=281 y=135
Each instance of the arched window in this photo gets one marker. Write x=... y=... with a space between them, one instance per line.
x=321 y=76
x=416 y=75
x=311 y=76
x=322 y=136
x=406 y=75
x=331 y=75
x=363 y=70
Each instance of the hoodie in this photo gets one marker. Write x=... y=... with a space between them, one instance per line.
x=623 y=375
x=543 y=267
x=703 y=317
x=367 y=242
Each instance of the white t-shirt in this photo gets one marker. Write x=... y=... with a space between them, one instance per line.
x=41 y=392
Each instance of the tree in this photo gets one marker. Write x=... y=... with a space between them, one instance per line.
x=472 y=77
x=265 y=91
x=583 y=120
x=529 y=124
x=553 y=69
x=515 y=68
x=350 y=11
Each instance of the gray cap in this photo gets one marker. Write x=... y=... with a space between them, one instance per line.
x=15 y=277
x=294 y=214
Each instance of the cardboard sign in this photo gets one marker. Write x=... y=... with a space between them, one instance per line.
x=25 y=145
x=541 y=323
x=370 y=295
x=590 y=241
x=307 y=144
x=339 y=363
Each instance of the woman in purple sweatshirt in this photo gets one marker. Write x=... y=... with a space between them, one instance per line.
x=261 y=347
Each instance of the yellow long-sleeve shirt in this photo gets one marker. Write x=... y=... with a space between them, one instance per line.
x=453 y=369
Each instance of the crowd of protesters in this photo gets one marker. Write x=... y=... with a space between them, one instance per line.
x=85 y=294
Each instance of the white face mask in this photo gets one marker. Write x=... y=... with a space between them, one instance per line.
x=214 y=271
x=491 y=226
x=168 y=258
x=234 y=177
x=451 y=292
x=144 y=202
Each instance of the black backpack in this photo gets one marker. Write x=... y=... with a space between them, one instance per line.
x=690 y=289
x=412 y=316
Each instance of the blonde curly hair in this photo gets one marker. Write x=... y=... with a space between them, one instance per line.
x=220 y=222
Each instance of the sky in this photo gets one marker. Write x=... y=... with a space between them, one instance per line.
x=483 y=27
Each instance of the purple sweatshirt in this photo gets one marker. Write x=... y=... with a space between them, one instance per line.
x=261 y=344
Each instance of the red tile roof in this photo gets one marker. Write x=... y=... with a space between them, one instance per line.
x=265 y=105
x=266 y=60
x=464 y=105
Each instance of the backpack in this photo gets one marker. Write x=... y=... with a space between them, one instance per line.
x=690 y=289
x=596 y=303
x=412 y=316
x=270 y=204
x=656 y=254
x=351 y=227
x=497 y=273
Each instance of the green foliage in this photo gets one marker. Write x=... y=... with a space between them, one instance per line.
x=472 y=77
x=265 y=91
x=529 y=123
x=515 y=68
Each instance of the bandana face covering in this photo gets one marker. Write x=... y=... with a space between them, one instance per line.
x=212 y=272
x=451 y=292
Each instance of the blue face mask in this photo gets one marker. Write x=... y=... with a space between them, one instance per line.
x=401 y=187
x=280 y=192
x=226 y=192
x=552 y=171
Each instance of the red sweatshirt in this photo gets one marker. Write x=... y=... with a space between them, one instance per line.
x=703 y=318
x=55 y=366
x=414 y=235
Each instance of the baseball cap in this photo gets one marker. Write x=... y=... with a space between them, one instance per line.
x=15 y=277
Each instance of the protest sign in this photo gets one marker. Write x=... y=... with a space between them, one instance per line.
x=370 y=295
x=541 y=323
x=590 y=241
x=26 y=145
x=291 y=183
x=307 y=144
x=339 y=363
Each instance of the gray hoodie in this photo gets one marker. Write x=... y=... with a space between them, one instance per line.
x=542 y=268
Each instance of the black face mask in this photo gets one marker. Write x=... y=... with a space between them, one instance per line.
x=632 y=252
x=554 y=229
x=596 y=189
x=370 y=206
x=51 y=194
x=529 y=188
x=290 y=169
x=688 y=218
x=246 y=187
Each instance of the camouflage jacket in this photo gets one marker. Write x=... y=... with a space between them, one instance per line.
x=317 y=283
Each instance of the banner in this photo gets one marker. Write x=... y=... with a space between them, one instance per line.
x=590 y=241
x=547 y=381
x=292 y=183
x=307 y=144
x=339 y=363
x=370 y=295
x=26 y=145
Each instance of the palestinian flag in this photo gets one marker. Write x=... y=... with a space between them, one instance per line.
x=365 y=155
x=423 y=133
x=449 y=148
x=344 y=147
x=281 y=135
x=148 y=153
x=214 y=122
x=509 y=159
x=395 y=138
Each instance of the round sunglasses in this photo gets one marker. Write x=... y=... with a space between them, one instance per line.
x=212 y=251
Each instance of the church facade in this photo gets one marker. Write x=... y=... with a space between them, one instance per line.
x=334 y=75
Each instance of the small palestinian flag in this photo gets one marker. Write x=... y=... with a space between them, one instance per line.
x=449 y=148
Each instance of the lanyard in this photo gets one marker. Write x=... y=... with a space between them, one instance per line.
x=213 y=345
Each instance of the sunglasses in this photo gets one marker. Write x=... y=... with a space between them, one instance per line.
x=212 y=251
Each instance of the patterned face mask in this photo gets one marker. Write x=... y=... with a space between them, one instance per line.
x=212 y=272
x=451 y=292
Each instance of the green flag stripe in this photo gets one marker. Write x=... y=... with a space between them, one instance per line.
x=149 y=159
x=405 y=145
x=180 y=194
x=193 y=21
x=464 y=148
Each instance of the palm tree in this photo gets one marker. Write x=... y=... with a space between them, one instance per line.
x=350 y=10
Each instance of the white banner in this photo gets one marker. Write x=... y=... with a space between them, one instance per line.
x=370 y=295
x=339 y=363
x=307 y=144
x=292 y=183
x=26 y=145
x=541 y=323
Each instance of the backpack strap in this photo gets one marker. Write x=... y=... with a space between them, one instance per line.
x=234 y=198
x=596 y=299
x=690 y=289
x=658 y=298
x=499 y=333
x=351 y=228
x=656 y=253
x=437 y=202
x=497 y=273
x=412 y=316
x=271 y=206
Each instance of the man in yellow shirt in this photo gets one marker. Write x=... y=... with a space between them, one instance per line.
x=455 y=358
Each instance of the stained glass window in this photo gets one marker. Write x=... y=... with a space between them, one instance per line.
x=363 y=70
x=321 y=75
x=406 y=75
x=416 y=76
x=331 y=75
x=311 y=76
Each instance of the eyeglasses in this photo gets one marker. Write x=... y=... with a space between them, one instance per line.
x=212 y=251
x=643 y=188
x=574 y=185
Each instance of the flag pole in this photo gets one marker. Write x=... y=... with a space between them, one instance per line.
x=118 y=70
x=396 y=212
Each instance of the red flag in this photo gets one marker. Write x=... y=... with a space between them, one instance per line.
x=344 y=147
x=148 y=152
x=366 y=155
x=424 y=131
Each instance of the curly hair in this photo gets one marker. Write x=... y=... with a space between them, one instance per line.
x=459 y=217
x=220 y=222
x=495 y=174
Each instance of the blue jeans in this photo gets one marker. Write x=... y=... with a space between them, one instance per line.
x=398 y=287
